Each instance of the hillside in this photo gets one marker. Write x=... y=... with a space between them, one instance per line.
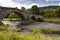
x=48 y=7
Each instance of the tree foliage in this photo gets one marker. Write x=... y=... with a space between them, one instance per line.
x=47 y=12
x=13 y=15
x=35 y=10
x=58 y=11
x=50 y=13
x=23 y=8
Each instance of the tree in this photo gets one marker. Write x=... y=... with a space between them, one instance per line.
x=13 y=15
x=34 y=10
x=58 y=12
x=50 y=13
x=41 y=12
x=23 y=8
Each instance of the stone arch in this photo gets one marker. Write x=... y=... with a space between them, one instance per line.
x=19 y=14
x=33 y=18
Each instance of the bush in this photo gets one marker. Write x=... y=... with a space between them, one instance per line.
x=40 y=20
x=14 y=29
x=46 y=30
x=28 y=21
x=34 y=30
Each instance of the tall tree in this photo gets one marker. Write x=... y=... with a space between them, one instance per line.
x=34 y=10
x=23 y=8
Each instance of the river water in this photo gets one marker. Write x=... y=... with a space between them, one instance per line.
x=37 y=25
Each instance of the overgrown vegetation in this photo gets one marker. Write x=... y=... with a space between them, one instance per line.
x=8 y=32
x=40 y=19
x=49 y=12
x=52 y=20
x=25 y=36
x=9 y=28
x=46 y=12
x=44 y=30
x=12 y=16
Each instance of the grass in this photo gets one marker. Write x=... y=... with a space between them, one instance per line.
x=25 y=36
x=36 y=33
x=4 y=27
x=34 y=30
x=53 y=20
x=44 y=30
x=9 y=28
x=11 y=19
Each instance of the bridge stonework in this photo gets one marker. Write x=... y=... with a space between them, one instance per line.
x=4 y=11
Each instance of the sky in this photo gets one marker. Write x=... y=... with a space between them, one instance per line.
x=28 y=3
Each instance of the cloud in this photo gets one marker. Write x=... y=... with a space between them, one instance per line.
x=11 y=3
x=39 y=2
x=53 y=0
x=59 y=4
x=47 y=0
x=29 y=6
x=29 y=1
x=7 y=3
x=26 y=3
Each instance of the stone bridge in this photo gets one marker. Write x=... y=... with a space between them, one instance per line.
x=4 y=11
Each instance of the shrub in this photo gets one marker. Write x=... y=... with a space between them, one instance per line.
x=35 y=30
x=28 y=21
x=46 y=30
x=40 y=20
x=14 y=29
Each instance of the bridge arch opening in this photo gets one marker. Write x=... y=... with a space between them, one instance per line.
x=33 y=18
x=14 y=16
x=11 y=16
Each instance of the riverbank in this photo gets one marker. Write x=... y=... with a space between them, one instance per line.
x=52 y=20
